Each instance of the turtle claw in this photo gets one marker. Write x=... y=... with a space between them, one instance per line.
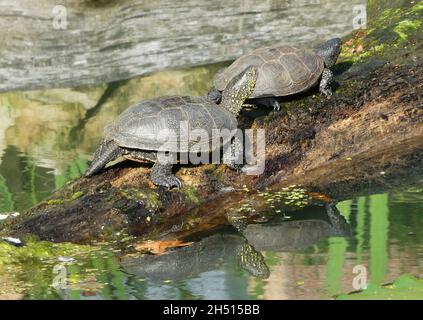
x=161 y=175
x=172 y=182
x=276 y=106
x=180 y=184
x=235 y=167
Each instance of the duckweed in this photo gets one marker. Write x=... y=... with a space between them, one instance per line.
x=292 y=196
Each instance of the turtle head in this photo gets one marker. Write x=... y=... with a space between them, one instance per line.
x=239 y=89
x=330 y=51
x=214 y=94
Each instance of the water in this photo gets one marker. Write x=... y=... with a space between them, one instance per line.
x=40 y=156
x=47 y=138
x=387 y=240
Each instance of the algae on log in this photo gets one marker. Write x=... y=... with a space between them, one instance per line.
x=369 y=135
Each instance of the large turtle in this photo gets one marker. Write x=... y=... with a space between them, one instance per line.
x=283 y=70
x=149 y=129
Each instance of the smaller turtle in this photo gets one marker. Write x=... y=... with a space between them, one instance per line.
x=283 y=71
x=141 y=131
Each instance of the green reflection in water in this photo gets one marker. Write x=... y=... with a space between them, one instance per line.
x=34 y=198
x=336 y=255
x=378 y=237
x=6 y=199
x=24 y=184
x=74 y=171
x=377 y=208
x=406 y=287
x=360 y=228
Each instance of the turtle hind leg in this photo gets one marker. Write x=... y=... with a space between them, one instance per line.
x=326 y=83
x=161 y=175
x=106 y=152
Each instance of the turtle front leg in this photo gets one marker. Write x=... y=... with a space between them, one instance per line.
x=326 y=83
x=161 y=175
x=252 y=261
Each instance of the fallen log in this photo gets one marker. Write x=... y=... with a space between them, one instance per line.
x=368 y=137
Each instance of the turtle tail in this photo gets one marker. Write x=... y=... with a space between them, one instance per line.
x=106 y=152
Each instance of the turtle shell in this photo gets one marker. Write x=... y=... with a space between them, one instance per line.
x=282 y=70
x=164 y=122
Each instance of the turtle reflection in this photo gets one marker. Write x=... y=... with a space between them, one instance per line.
x=242 y=244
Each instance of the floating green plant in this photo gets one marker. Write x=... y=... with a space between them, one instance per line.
x=292 y=196
x=406 y=287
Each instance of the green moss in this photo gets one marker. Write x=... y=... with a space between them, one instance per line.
x=376 y=50
x=54 y=202
x=350 y=88
x=39 y=250
x=391 y=34
x=33 y=268
x=292 y=197
x=191 y=194
x=405 y=27
x=67 y=198
x=390 y=14
x=148 y=197
x=417 y=7
x=77 y=195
